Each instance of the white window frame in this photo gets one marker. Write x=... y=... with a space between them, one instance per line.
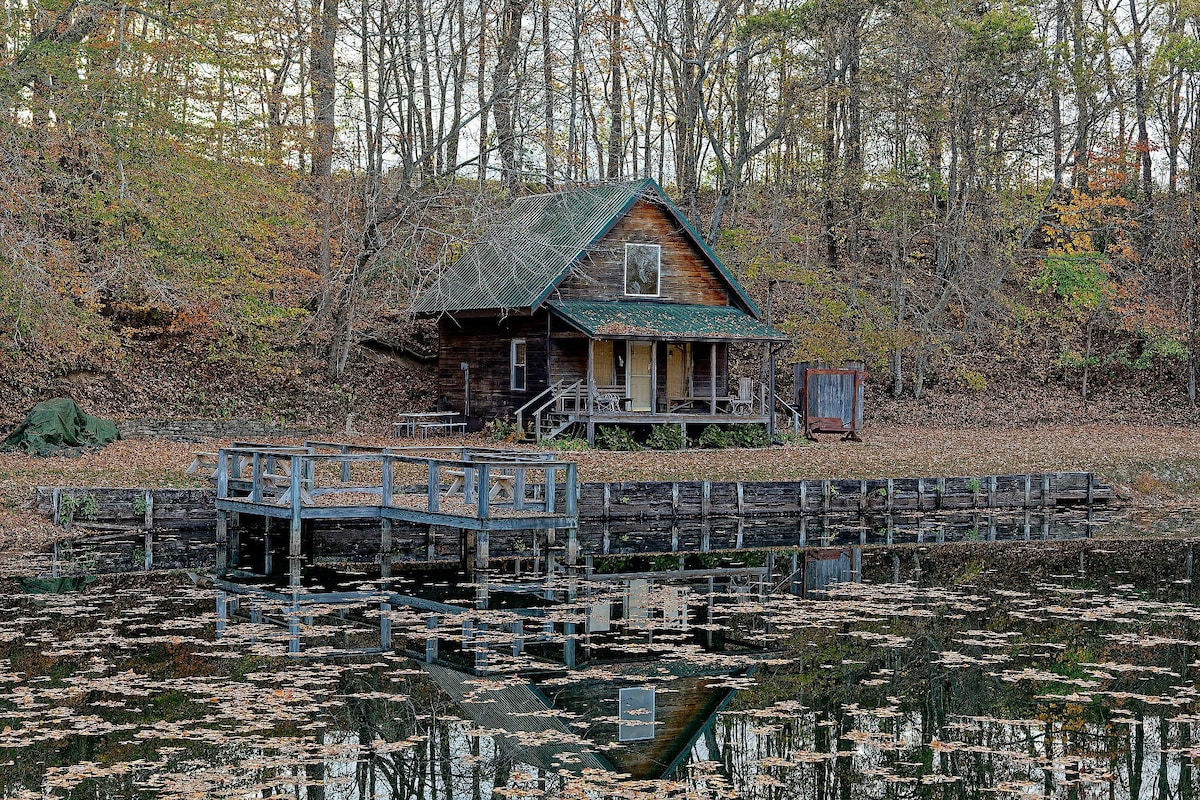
x=512 y=365
x=658 y=280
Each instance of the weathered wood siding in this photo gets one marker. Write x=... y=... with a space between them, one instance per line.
x=686 y=275
x=485 y=344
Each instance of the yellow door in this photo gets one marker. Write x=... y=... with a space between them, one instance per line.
x=677 y=370
x=638 y=376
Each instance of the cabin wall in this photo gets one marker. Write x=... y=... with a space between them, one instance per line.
x=485 y=343
x=686 y=275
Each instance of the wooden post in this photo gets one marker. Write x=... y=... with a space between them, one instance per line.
x=385 y=548
x=385 y=627
x=991 y=491
x=431 y=639
x=468 y=484
x=1045 y=498
x=1028 y=487
x=256 y=478
x=148 y=518
x=483 y=496
x=387 y=481
x=294 y=546
x=803 y=496
x=591 y=375
x=345 y=464
x=149 y=547
x=551 y=500
x=741 y=500
x=654 y=376
x=712 y=377
x=891 y=495
x=920 y=494
x=705 y=499
x=222 y=476
x=674 y=498
x=519 y=489
x=572 y=492
x=222 y=542
x=434 y=488
x=607 y=509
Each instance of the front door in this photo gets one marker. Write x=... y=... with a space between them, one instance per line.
x=637 y=376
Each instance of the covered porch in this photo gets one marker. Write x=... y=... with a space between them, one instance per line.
x=642 y=363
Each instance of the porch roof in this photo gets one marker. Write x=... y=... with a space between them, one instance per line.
x=675 y=321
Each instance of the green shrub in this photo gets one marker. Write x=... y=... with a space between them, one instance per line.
x=615 y=438
x=713 y=438
x=747 y=436
x=665 y=437
x=569 y=443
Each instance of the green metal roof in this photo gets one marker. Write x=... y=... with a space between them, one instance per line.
x=663 y=321
x=519 y=261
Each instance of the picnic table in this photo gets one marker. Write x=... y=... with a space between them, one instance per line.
x=427 y=422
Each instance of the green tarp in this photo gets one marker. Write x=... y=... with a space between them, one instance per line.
x=59 y=426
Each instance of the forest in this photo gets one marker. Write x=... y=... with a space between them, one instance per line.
x=970 y=197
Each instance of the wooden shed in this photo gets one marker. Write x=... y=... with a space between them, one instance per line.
x=598 y=305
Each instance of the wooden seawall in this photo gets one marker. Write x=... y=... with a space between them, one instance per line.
x=183 y=508
x=700 y=499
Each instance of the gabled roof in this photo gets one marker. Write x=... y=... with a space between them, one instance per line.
x=519 y=262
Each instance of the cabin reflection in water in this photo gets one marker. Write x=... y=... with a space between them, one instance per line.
x=621 y=672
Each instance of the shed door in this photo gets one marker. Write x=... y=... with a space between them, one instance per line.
x=638 y=376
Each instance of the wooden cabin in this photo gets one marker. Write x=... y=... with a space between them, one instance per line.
x=597 y=305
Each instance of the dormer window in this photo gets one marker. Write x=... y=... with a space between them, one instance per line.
x=642 y=262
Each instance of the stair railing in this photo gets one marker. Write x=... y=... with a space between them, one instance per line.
x=793 y=412
x=520 y=413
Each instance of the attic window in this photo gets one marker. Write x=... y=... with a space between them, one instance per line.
x=635 y=714
x=642 y=269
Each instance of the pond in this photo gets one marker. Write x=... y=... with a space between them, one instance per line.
x=975 y=666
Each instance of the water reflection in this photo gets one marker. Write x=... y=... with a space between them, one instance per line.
x=1062 y=669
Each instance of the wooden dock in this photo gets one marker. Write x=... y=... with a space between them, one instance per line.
x=472 y=489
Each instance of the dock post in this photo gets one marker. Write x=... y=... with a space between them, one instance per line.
x=385 y=548
x=149 y=548
x=222 y=563
x=385 y=626
x=481 y=548
x=294 y=544
x=431 y=639
x=572 y=491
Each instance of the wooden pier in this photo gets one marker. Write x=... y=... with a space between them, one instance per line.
x=472 y=489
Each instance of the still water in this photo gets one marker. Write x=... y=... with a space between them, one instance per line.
x=1062 y=666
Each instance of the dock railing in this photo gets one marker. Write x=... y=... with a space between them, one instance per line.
x=459 y=481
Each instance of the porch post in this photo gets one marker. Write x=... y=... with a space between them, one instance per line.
x=770 y=392
x=654 y=376
x=591 y=374
x=712 y=378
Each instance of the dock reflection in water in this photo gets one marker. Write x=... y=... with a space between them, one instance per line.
x=1062 y=668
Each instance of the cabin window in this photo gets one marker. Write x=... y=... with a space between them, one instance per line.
x=642 y=262
x=518 y=365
